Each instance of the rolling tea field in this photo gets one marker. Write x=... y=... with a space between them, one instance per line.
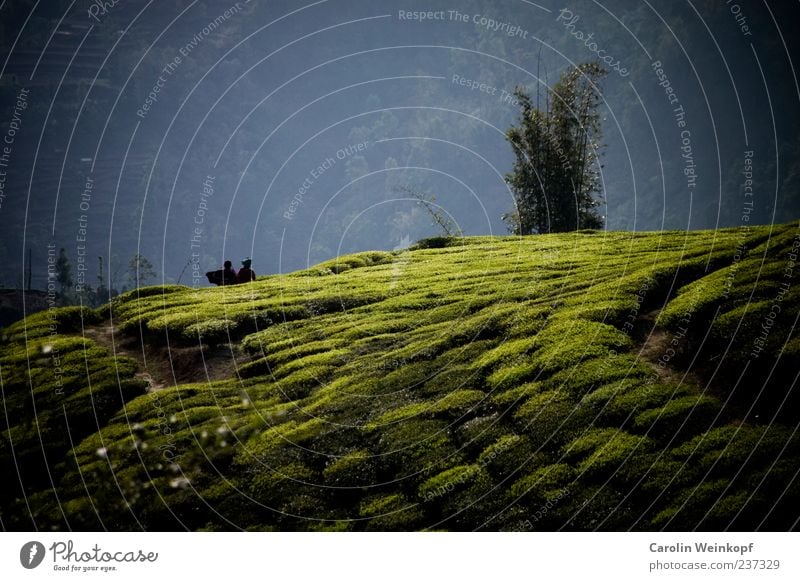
x=585 y=381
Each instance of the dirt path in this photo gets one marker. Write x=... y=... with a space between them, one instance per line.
x=654 y=350
x=163 y=367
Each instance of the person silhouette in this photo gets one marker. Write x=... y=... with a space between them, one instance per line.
x=246 y=273
x=229 y=275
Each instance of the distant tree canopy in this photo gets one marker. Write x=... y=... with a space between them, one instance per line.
x=140 y=271
x=64 y=272
x=556 y=174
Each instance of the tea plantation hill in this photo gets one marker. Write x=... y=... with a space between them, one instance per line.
x=593 y=380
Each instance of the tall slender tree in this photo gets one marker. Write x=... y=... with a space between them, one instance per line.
x=140 y=270
x=64 y=272
x=556 y=175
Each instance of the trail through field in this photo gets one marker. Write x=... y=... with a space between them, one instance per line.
x=655 y=351
x=163 y=367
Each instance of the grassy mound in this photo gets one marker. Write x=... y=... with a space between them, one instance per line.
x=580 y=381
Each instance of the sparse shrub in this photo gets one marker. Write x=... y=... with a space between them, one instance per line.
x=435 y=242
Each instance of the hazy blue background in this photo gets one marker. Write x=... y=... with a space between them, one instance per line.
x=275 y=88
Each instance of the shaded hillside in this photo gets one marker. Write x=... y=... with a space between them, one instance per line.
x=580 y=381
x=14 y=303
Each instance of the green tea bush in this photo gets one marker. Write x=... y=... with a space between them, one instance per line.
x=505 y=456
x=550 y=419
x=390 y=512
x=416 y=447
x=60 y=320
x=542 y=483
x=686 y=415
x=603 y=451
x=356 y=468
x=436 y=242
x=512 y=374
x=612 y=403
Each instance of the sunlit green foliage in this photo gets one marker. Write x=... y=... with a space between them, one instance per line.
x=487 y=382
